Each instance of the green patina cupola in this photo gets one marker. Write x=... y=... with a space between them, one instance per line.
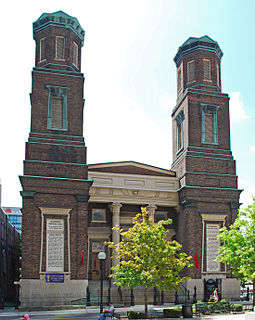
x=58 y=19
x=59 y=39
x=198 y=65
x=201 y=43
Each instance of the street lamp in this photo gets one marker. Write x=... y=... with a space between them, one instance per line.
x=101 y=257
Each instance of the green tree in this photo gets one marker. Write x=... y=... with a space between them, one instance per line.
x=238 y=245
x=147 y=258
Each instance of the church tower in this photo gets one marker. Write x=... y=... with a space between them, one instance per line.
x=203 y=161
x=55 y=184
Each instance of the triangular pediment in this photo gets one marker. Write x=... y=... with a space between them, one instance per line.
x=130 y=167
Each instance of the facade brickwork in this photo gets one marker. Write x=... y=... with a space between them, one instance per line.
x=55 y=181
x=208 y=192
x=55 y=184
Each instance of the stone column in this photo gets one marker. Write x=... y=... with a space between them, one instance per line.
x=151 y=208
x=115 y=208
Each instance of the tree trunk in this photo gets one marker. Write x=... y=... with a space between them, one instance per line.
x=145 y=303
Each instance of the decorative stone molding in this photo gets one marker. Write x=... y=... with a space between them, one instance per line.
x=59 y=212
x=27 y=194
x=82 y=197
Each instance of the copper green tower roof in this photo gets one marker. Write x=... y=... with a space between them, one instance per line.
x=201 y=43
x=59 y=19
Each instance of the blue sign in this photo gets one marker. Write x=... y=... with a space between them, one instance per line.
x=55 y=277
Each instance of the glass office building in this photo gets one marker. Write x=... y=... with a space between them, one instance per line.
x=14 y=217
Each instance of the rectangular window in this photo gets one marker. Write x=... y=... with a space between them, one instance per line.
x=57 y=112
x=179 y=131
x=209 y=127
x=179 y=136
x=42 y=49
x=179 y=80
x=75 y=54
x=207 y=70
x=98 y=215
x=191 y=71
x=160 y=216
x=218 y=75
x=57 y=108
x=60 y=48
x=209 y=124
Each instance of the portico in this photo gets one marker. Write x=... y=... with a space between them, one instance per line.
x=118 y=192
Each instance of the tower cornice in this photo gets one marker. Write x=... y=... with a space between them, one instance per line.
x=204 y=43
x=58 y=19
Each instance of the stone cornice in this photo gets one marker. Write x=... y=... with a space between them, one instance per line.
x=58 y=19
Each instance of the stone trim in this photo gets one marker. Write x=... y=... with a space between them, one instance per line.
x=60 y=212
x=27 y=194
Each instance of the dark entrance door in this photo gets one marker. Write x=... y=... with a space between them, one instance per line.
x=210 y=284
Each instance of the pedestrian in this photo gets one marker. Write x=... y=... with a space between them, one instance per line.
x=214 y=296
x=25 y=317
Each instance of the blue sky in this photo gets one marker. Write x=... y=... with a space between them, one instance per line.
x=130 y=86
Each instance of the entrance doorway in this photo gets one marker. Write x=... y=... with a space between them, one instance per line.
x=96 y=274
x=210 y=284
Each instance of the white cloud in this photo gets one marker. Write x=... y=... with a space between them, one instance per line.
x=246 y=197
x=237 y=111
x=117 y=128
x=252 y=148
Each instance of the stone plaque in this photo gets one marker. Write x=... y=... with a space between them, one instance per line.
x=55 y=245
x=212 y=246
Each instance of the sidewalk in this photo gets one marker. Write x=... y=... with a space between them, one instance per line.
x=95 y=310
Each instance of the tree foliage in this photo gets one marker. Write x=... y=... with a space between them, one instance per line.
x=238 y=245
x=146 y=257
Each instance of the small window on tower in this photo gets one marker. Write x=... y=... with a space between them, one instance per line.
x=179 y=131
x=75 y=54
x=207 y=70
x=218 y=75
x=60 y=48
x=209 y=124
x=191 y=71
x=179 y=80
x=42 y=49
x=57 y=108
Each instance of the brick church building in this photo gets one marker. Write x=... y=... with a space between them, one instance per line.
x=70 y=207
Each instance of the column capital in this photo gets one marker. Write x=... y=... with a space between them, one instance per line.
x=151 y=207
x=115 y=207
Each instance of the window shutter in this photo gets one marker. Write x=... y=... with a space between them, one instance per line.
x=42 y=49
x=191 y=71
x=209 y=127
x=207 y=70
x=60 y=48
x=57 y=112
x=75 y=54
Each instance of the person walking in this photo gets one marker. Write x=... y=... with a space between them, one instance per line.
x=214 y=295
